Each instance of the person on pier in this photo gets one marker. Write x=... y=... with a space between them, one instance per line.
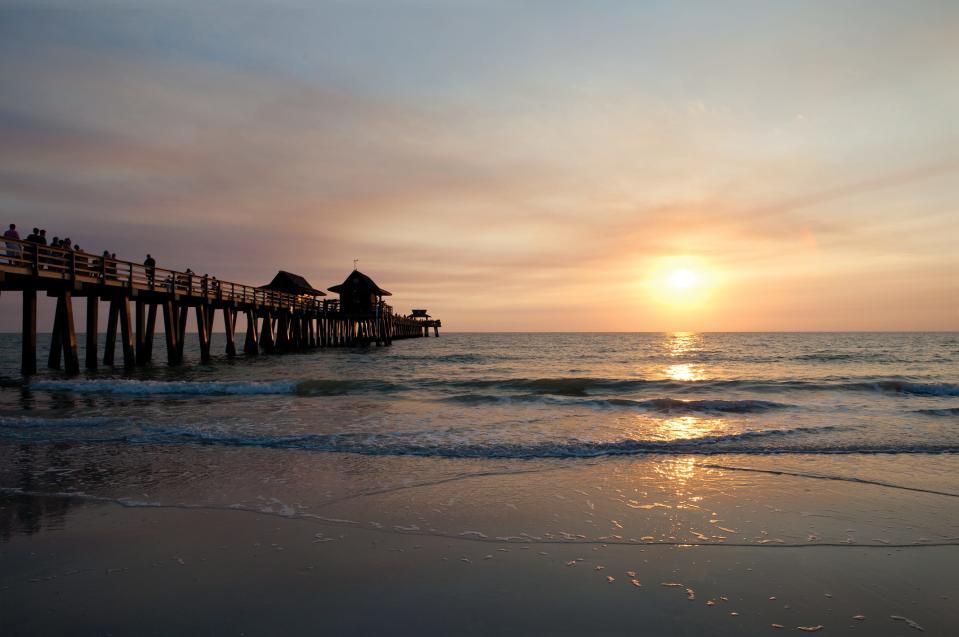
x=151 y=266
x=13 y=248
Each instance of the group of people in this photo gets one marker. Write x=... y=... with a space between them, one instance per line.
x=104 y=267
x=39 y=237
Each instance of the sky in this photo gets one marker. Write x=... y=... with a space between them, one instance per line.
x=510 y=166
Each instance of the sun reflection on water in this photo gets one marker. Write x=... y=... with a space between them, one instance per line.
x=686 y=427
x=681 y=344
x=684 y=372
x=678 y=343
x=679 y=470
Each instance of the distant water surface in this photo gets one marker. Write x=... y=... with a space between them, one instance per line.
x=478 y=402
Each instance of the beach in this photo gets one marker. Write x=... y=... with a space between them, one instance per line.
x=94 y=567
x=476 y=484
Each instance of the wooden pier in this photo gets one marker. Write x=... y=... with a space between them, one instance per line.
x=281 y=317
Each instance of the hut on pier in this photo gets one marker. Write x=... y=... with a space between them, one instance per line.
x=359 y=294
x=291 y=284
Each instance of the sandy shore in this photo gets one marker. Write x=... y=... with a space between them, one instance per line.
x=110 y=569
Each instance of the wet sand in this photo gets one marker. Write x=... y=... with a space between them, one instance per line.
x=110 y=569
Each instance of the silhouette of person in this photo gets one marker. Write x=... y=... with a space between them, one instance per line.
x=151 y=266
x=13 y=248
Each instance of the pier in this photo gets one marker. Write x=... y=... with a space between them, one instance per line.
x=286 y=315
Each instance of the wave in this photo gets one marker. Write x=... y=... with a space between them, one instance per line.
x=577 y=387
x=30 y=422
x=663 y=405
x=141 y=387
x=587 y=386
x=830 y=357
x=798 y=440
x=398 y=444
x=377 y=444
x=764 y=442
x=465 y=357
x=321 y=387
x=669 y=405
x=948 y=411
x=906 y=387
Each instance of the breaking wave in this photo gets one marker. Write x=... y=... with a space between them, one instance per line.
x=948 y=411
x=586 y=386
x=581 y=387
x=662 y=405
x=799 y=440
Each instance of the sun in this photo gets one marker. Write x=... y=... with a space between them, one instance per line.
x=680 y=283
x=682 y=279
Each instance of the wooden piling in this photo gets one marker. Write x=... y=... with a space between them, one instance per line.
x=250 y=345
x=93 y=315
x=109 y=346
x=170 y=331
x=229 y=324
x=68 y=337
x=28 y=359
x=266 y=334
x=56 y=343
x=182 y=314
x=140 y=324
x=126 y=333
x=149 y=334
x=203 y=330
x=282 y=332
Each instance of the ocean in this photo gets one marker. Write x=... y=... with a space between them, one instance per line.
x=413 y=437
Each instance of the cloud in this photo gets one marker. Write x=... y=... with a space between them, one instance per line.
x=489 y=173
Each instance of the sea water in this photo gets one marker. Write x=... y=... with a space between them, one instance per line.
x=515 y=436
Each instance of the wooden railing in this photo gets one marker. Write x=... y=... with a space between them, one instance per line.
x=27 y=258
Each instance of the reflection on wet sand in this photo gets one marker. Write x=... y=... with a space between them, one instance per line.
x=26 y=515
x=641 y=500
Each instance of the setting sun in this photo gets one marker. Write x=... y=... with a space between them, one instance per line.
x=678 y=284
x=682 y=278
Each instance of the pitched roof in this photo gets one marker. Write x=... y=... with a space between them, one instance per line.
x=359 y=282
x=292 y=284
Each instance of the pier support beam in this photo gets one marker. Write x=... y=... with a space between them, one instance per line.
x=93 y=316
x=28 y=362
x=149 y=334
x=68 y=333
x=181 y=316
x=266 y=334
x=126 y=333
x=140 y=324
x=282 y=332
x=229 y=323
x=113 y=315
x=170 y=330
x=250 y=345
x=56 y=336
x=203 y=331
